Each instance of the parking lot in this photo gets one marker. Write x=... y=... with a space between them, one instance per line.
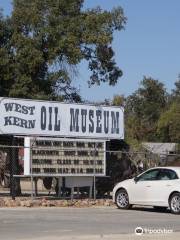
x=86 y=223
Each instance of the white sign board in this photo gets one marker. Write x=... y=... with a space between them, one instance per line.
x=43 y=118
x=64 y=157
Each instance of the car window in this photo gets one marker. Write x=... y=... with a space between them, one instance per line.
x=149 y=175
x=167 y=174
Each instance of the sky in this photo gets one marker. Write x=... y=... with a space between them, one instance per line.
x=149 y=46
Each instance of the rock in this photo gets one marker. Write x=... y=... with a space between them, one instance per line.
x=18 y=203
x=92 y=202
x=85 y=203
x=50 y=203
x=65 y=203
x=10 y=203
x=106 y=204
x=70 y=203
x=36 y=203
x=44 y=204
x=59 y=203
x=28 y=203
x=1 y=203
x=100 y=202
x=22 y=203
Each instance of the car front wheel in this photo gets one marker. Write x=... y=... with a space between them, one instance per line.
x=174 y=203
x=122 y=199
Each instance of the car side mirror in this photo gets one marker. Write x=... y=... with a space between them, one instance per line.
x=136 y=179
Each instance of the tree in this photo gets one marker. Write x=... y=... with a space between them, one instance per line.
x=143 y=109
x=176 y=92
x=169 y=124
x=51 y=37
x=118 y=100
x=6 y=57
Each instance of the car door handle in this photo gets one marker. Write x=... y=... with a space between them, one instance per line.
x=168 y=185
x=148 y=186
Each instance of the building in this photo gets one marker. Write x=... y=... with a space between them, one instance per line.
x=167 y=152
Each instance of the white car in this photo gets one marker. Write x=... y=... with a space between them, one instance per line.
x=158 y=187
